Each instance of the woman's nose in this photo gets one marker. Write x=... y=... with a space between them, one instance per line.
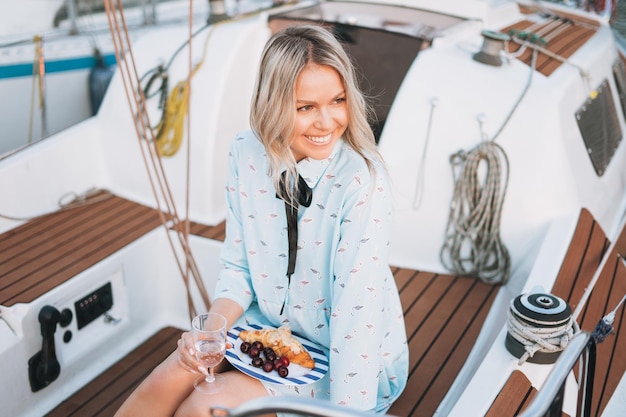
x=324 y=118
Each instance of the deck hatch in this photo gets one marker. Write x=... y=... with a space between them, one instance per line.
x=599 y=127
x=620 y=82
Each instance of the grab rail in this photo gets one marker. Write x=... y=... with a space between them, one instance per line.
x=549 y=399
x=293 y=405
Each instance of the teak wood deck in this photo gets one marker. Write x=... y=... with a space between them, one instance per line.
x=445 y=310
x=560 y=36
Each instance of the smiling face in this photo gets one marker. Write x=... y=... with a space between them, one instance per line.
x=321 y=112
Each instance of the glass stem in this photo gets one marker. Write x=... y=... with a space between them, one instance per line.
x=210 y=377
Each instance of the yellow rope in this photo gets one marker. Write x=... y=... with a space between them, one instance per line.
x=171 y=127
x=38 y=73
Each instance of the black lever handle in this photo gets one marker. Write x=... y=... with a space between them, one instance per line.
x=43 y=367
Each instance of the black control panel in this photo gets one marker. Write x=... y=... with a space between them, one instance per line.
x=93 y=305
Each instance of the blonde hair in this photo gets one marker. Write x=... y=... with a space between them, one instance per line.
x=272 y=115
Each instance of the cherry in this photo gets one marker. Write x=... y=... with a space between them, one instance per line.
x=283 y=371
x=268 y=366
x=272 y=361
x=270 y=355
x=254 y=352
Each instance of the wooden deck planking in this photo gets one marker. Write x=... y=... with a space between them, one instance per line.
x=19 y=243
x=106 y=393
x=584 y=255
x=512 y=401
x=564 y=44
x=217 y=232
x=443 y=317
x=68 y=242
x=610 y=359
x=620 y=244
x=89 y=234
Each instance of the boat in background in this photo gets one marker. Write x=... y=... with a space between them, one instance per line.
x=57 y=58
x=103 y=242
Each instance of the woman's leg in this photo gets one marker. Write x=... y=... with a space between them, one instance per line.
x=238 y=388
x=160 y=394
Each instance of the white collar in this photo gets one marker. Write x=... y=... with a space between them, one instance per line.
x=311 y=170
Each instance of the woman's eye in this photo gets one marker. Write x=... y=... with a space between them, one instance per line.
x=305 y=108
x=340 y=100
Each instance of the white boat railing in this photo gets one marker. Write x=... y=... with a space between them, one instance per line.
x=297 y=406
x=549 y=399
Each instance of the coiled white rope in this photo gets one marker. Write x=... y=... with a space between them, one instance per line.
x=535 y=338
x=472 y=244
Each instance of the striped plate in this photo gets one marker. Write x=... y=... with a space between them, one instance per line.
x=298 y=375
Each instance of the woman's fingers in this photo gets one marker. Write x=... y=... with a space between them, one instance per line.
x=187 y=354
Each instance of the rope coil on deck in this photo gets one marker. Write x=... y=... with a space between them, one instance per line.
x=539 y=324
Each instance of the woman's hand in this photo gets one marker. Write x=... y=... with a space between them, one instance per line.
x=187 y=355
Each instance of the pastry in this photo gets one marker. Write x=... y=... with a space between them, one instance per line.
x=282 y=342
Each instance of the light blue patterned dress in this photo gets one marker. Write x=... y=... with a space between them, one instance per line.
x=342 y=295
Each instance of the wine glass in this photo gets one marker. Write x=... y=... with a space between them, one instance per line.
x=209 y=337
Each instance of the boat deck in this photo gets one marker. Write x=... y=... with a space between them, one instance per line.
x=584 y=256
x=49 y=250
x=445 y=310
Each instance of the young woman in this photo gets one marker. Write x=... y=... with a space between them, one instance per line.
x=307 y=237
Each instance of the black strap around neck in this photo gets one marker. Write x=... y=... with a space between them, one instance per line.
x=304 y=197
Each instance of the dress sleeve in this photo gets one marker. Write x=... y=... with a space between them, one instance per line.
x=234 y=278
x=360 y=301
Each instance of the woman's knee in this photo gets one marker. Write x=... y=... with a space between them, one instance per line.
x=237 y=389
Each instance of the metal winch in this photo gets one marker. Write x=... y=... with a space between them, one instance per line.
x=539 y=327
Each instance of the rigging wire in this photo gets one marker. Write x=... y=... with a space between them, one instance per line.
x=166 y=206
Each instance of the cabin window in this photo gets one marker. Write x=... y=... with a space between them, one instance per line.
x=599 y=126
